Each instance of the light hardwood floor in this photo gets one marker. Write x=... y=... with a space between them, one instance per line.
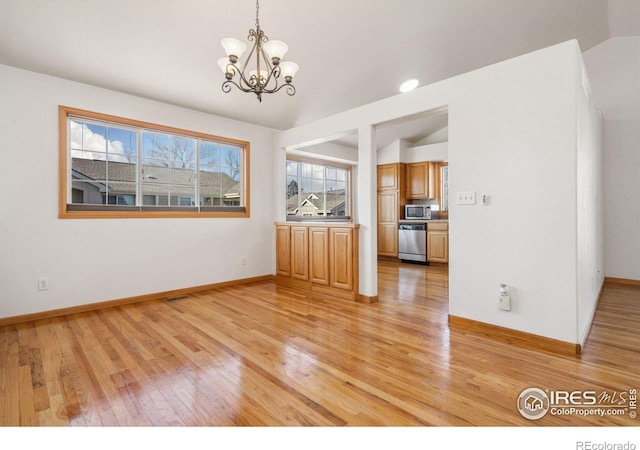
x=264 y=355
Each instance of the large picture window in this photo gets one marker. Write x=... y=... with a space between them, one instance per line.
x=115 y=167
x=317 y=190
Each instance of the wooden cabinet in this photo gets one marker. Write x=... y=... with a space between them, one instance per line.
x=421 y=180
x=438 y=242
x=320 y=258
x=341 y=259
x=388 y=176
x=388 y=210
x=300 y=253
x=391 y=200
x=283 y=250
x=319 y=255
x=388 y=216
x=388 y=239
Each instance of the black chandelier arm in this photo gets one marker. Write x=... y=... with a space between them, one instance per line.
x=243 y=83
x=231 y=71
x=290 y=89
x=227 y=86
x=246 y=85
x=250 y=84
x=273 y=74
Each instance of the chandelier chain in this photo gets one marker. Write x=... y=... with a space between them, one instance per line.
x=257 y=19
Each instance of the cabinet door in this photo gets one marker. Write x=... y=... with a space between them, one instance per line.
x=388 y=239
x=388 y=176
x=283 y=250
x=388 y=223
x=300 y=253
x=418 y=180
x=438 y=246
x=341 y=258
x=388 y=206
x=319 y=255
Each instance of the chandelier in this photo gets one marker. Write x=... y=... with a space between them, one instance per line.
x=267 y=71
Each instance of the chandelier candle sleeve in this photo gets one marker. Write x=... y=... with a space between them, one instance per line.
x=264 y=64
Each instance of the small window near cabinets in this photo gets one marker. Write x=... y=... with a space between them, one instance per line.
x=317 y=190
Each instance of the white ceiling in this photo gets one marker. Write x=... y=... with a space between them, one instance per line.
x=350 y=52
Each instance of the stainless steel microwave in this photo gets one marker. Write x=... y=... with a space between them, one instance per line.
x=417 y=212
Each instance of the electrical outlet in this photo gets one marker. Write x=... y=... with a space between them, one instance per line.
x=43 y=284
x=504 y=301
x=243 y=261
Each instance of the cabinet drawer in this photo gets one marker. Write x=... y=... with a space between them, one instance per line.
x=438 y=226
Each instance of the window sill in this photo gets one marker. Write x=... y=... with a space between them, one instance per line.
x=152 y=212
x=319 y=220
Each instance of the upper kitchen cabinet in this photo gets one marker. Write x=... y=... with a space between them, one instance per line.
x=421 y=180
x=389 y=177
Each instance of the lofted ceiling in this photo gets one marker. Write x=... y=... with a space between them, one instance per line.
x=350 y=52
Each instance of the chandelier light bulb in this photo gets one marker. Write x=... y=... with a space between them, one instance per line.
x=276 y=50
x=288 y=70
x=233 y=48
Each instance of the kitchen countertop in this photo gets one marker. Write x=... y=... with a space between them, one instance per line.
x=328 y=223
x=422 y=220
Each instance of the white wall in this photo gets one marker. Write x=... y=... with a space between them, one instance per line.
x=404 y=151
x=427 y=152
x=442 y=135
x=393 y=153
x=512 y=135
x=329 y=151
x=94 y=260
x=622 y=208
x=590 y=206
x=614 y=71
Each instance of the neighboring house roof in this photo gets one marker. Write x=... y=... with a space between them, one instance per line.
x=234 y=192
x=315 y=200
x=122 y=178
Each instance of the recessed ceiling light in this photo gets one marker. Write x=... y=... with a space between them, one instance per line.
x=409 y=85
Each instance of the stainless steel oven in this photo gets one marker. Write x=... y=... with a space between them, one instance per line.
x=412 y=242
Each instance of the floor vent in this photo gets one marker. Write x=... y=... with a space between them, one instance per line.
x=173 y=299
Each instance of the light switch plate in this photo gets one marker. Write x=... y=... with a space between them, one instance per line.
x=465 y=198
